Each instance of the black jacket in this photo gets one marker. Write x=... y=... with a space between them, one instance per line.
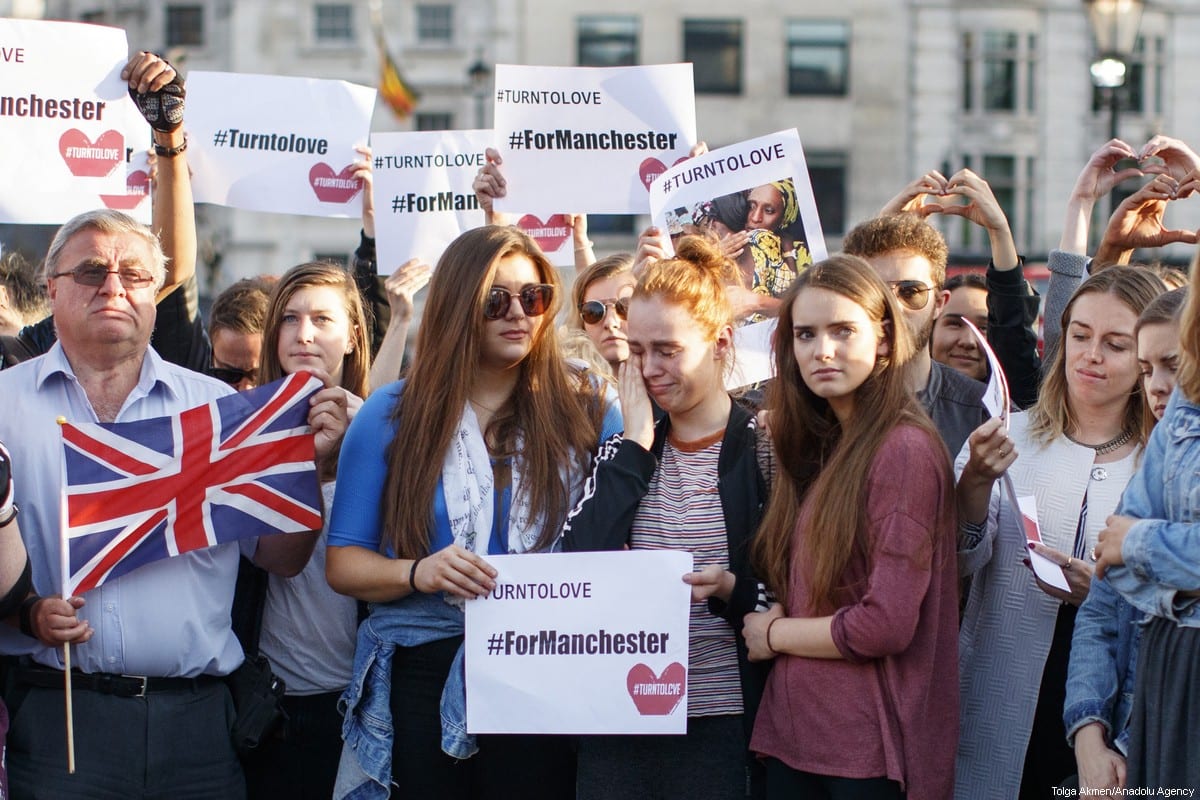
x=604 y=518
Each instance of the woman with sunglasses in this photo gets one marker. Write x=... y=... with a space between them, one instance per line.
x=690 y=482
x=1077 y=448
x=481 y=451
x=601 y=306
x=314 y=321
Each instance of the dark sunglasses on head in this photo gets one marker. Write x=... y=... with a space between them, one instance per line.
x=534 y=300
x=593 y=311
x=97 y=274
x=231 y=375
x=913 y=294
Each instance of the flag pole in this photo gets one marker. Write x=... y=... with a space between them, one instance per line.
x=63 y=520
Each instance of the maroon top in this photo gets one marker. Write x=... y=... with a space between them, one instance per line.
x=890 y=706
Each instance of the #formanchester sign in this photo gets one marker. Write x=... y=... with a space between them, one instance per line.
x=589 y=140
x=580 y=643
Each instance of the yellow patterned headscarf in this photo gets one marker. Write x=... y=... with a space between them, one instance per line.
x=790 y=208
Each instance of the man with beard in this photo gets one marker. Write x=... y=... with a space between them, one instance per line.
x=910 y=256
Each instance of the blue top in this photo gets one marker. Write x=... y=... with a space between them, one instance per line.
x=1162 y=549
x=357 y=517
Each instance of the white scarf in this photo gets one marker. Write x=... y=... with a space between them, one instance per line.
x=468 y=486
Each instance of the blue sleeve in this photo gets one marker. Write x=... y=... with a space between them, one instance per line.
x=1093 y=677
x=362 y=472
x=613 y=422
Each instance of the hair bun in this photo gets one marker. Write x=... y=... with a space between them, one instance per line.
x=706 y=254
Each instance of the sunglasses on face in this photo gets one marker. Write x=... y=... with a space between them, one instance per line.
x=231 y=375
x=594 y=311
x=534 y=301
x=913 y=294
x=97 y=274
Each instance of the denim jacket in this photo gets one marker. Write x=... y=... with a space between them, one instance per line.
x=1162 y=549
x=365 y=769
x=1104 y=650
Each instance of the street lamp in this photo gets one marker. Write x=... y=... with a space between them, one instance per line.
x=480 y=74
x=1115 y=27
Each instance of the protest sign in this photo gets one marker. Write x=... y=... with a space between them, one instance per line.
x=719 y=190
x=579 y=643
x=423 y=192
x=274 y=143
x=751 y=355
x=590 y=140
x=63 y=120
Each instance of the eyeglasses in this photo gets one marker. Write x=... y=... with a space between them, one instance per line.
x=232 y=375
x=97 y=274
x=594 y=311
x=913 y=294
x=534 y=300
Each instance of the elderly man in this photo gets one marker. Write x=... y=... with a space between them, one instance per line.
x=164 y=732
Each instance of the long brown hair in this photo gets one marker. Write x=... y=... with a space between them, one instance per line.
x=1189 y=338
x=556 y=412
x=1052 y=415
x=818 y=457
x=356 y=365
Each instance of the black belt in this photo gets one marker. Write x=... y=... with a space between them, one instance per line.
x=110 y=683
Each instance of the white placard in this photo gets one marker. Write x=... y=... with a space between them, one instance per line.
x=681 y=196
x=274 y=143
x=752 y=360
x=64 y=111
x=423 y=192
x=590 y=139
x=135 y=200
x=580 y=643
x=995 y=398
x=1043 y=567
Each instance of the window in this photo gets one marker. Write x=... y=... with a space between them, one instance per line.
x=714 y=46
x=1012 y=179
x=818 y=54
x=611 y=223
x=827 y=171
x=334 y=22
x=1142 y=91
x=433 y=121
x=608 y=41
x=435 y=23
x=999 y=71
x=185 y=26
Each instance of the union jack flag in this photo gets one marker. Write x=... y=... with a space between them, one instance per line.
x=238 y=467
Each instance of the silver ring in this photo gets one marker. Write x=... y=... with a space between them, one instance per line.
x=1093 y=554
x=1068 y=564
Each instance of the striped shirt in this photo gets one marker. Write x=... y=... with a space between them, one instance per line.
x=682 y=511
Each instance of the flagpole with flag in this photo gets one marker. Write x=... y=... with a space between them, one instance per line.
x=399 y=95
x=62 y=528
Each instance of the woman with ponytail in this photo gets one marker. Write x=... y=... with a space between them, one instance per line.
x=690 y=482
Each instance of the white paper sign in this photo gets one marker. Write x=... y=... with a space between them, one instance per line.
x=274 y=143
x=580 y=643
x=1043 y=567
x=423 y=193
x=135 y=200
x=996 y=398
x=752 y=360
x=587 y=139
x=64 y=111
x=686 y=194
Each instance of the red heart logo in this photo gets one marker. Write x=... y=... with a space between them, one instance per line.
x=550 y=234
x=333 y=188
x=651 y=168
x=137 y=189
x=656 y=696
x=88 y=159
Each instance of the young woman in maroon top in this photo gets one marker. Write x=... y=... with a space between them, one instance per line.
x=858 y=546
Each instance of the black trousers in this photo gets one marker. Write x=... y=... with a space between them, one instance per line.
x=529 y=767
x=785 y=783
x=301 y=761
x=170 y=745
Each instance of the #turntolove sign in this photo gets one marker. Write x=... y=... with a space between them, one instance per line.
x=580 y=643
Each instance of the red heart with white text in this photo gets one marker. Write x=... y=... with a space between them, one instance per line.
x=88 y=159
x=656 y=695
x=137 y=189
x=651 y=168
x=333 y=187
x=550 y=234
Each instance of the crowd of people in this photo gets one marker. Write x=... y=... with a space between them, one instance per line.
x=865 y=618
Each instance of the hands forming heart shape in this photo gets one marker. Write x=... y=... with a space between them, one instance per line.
x=933 y=193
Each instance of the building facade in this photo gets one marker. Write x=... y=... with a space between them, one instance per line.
x=880 y=90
